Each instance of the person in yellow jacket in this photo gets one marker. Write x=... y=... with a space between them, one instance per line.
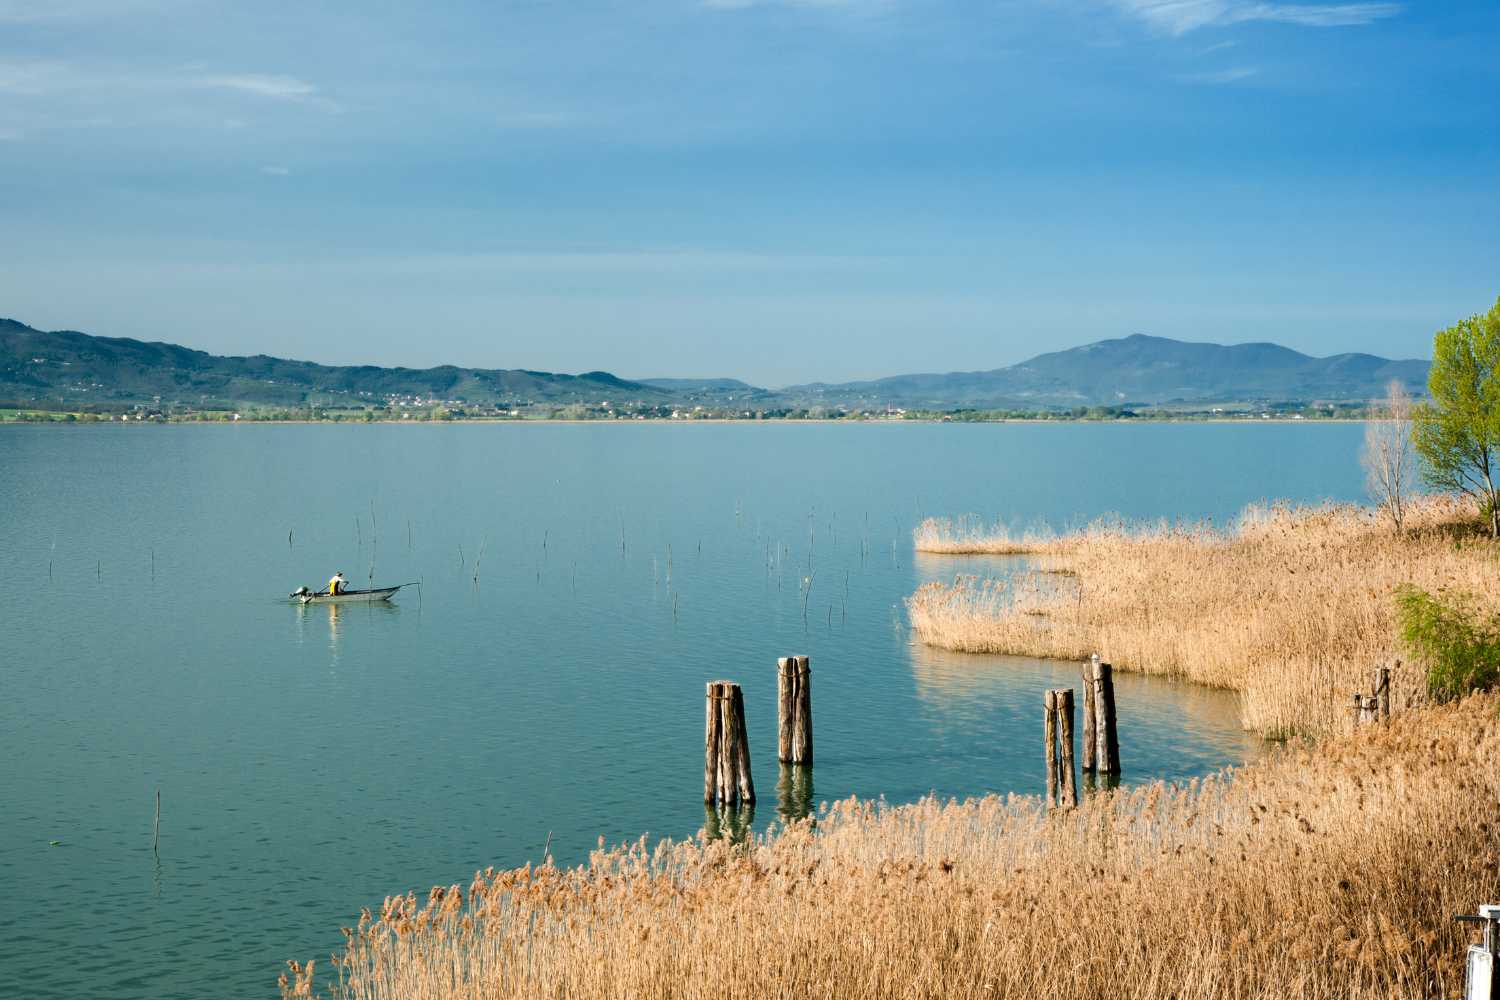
x=337 y=584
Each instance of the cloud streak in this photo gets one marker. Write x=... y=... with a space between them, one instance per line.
x=57 y=79
x=1178 y=17
x=1222 y=76
x=282 y=88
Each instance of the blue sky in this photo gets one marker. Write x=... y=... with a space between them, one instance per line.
x=779 y=190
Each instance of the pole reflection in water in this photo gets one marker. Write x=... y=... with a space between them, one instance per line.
x=794 y=792
x=733 y=823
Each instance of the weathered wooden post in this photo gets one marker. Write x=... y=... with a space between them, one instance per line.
x=1383 y=692
x=1106 y=737
x=726 y=747
x=1049 y=734
x=794 y=744
x=1069 y=791
x=1090 y=727
x=1359 y=709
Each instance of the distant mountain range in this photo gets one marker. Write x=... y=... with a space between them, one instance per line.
x=1140 y=371
x=79 y=367
x=70 y=367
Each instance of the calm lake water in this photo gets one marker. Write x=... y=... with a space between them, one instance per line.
x=580 y=583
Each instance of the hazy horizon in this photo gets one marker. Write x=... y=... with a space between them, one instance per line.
x=780 y=191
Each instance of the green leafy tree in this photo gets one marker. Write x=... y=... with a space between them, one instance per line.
x=1458 y=643
x=1458 y=433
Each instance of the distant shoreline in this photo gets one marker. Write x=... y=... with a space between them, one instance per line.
x=666 y=421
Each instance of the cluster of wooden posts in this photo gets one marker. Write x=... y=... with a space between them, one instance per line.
x=1375 y=707
x=1101 y=740
x=726 y=743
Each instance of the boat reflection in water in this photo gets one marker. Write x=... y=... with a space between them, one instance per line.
x=338 y=617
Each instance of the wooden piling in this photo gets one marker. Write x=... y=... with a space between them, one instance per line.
x=1383 y=692
x=794 y=744
x=1090 y=726
x=726 y=747
x=1049 y=734
x=1106 y=737
x=1068 y=793
x=742 y=746
x=711 y=746
x=786 y=681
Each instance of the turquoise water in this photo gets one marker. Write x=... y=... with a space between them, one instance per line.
x=580 y=583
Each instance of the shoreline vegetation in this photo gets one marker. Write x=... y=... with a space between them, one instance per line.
x=1329 y=867
x=1319 y=871
x=1292 y=607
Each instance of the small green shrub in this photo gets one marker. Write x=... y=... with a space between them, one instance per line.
x=1459 y=644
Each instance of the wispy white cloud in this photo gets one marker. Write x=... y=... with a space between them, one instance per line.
x=1232 y=75
x=616 y=262
x=272 y=170
x=849 y=4
x=34 y=79
x=41 y=11
x=41 y=78
x=520 y=120
x=283 y=88
x=1178 y=17
x=858 y=9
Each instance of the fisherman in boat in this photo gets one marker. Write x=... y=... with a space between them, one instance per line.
x=337 y=584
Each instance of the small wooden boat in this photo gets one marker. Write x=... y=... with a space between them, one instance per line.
x=306 y=596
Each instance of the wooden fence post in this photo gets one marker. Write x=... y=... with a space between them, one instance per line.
x=726 y=747
x=1383 y=692
x=1106 y=737
x=1069 y=791
x=1090 y=726
x=1049 y=734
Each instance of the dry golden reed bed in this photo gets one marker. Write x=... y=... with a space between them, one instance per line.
x=1293 y=608
x=1314 y=873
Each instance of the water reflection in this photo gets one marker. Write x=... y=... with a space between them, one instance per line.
x=733 y=823
x=942 y=568
x=794 y=792
x=338 y=617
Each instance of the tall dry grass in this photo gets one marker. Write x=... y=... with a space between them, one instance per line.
x=1313 y=873
x=1294 y=607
